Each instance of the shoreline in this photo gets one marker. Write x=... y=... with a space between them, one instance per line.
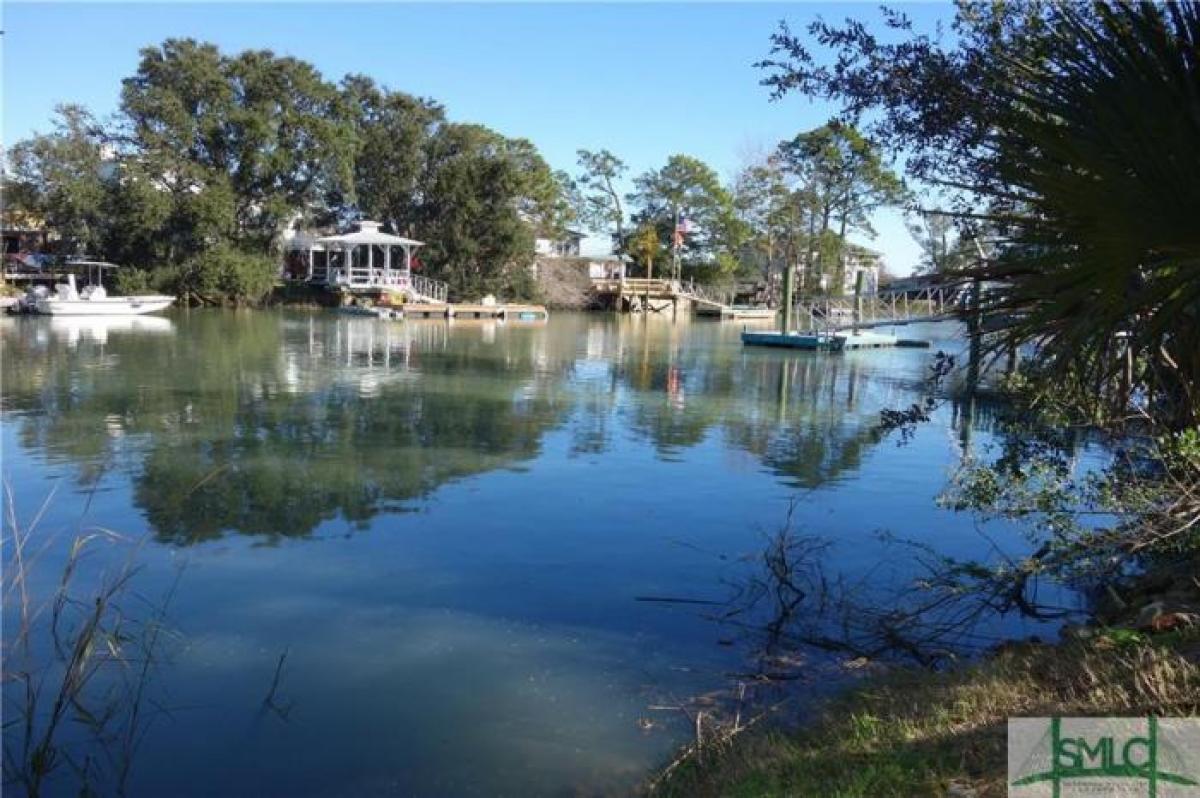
x=911 y=731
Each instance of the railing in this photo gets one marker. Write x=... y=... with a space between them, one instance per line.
x=637 y=285
x=365 y=277
x=429 y=289
x=831 y=314
x=709 y=294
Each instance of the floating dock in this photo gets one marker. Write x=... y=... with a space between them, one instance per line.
x=736 y=312
x=834 y=342
x=439 y=310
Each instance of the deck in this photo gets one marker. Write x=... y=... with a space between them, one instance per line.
x=641 y=295
x=737 y=313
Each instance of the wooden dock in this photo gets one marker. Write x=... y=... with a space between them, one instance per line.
x=449 y=311
x=736 y=312
x=638 y=295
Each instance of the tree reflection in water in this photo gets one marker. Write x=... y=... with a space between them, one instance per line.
x=622 y=435
x=270 y=424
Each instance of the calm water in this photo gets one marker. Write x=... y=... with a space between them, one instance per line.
x=445 y=528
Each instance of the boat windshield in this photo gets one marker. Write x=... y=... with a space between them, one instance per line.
x=93 y=269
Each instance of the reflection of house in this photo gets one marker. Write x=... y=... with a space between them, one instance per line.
x=564 y=245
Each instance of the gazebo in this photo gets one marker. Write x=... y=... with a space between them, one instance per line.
x=365 y=258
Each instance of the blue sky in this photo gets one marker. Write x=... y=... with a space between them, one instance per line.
x=644 y=81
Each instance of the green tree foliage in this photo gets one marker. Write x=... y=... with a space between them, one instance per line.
x=943 y=251
x=223 y=151
x=59 y=178
x=393 y=131
x=645 y=247
x=800 y=204
x=1071 y=133
x=846 y=181
x=223 y=272
x=474 y=196
x=1100 y=162
x=687 y=188
x=927 y=97
x=482 y=195
x=600 y=207
x=241 y=143
x=218 y=154
x=778 y=215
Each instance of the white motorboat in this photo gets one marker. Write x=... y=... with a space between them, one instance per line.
x=93 y=300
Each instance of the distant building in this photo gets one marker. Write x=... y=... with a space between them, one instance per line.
x=564 y=245
x=23 y=232
x=608 y=267
x=860 y=260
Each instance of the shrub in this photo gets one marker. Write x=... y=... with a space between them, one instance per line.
x=223 y=275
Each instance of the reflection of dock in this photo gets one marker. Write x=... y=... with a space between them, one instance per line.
x=477 y=311
x=421 y=310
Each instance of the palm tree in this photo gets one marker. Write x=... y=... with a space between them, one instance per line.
x=1098 y=153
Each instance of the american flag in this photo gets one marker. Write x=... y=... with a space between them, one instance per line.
x=682 y=227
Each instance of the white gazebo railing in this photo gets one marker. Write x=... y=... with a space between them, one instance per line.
x=363 y=259
x=369 y=258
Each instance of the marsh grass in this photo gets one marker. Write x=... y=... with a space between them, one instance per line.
x=78 y=657
x=916 y=732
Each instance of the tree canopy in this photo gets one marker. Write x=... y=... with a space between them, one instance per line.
x=1069 y=139
x=686 y=191
x=212 y=156
x=600 y=206
x=59 y=178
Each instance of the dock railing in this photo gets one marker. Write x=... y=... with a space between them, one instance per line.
x=429 y=289
x=883 y=309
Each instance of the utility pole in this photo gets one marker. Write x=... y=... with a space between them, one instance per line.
x=786 y=319
x=676 y=241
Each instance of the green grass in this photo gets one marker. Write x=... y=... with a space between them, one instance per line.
x=915 y=732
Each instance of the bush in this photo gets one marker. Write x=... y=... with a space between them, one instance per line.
x=138 y=281
x=223 y=275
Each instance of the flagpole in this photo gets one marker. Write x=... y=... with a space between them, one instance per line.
x=676 y=240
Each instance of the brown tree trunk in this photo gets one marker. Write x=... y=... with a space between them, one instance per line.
x=839 y=279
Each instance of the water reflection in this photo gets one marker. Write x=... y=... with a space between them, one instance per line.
x=74 y=329
x=446 y=526
x=269 y=424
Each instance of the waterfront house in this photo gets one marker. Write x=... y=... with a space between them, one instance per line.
x=860 y=260
x=23 y=233
x=567 y=244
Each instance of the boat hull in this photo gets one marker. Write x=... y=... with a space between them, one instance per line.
x=109 y=306
x=837 y=341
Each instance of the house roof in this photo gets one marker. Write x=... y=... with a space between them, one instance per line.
x=369 y=233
